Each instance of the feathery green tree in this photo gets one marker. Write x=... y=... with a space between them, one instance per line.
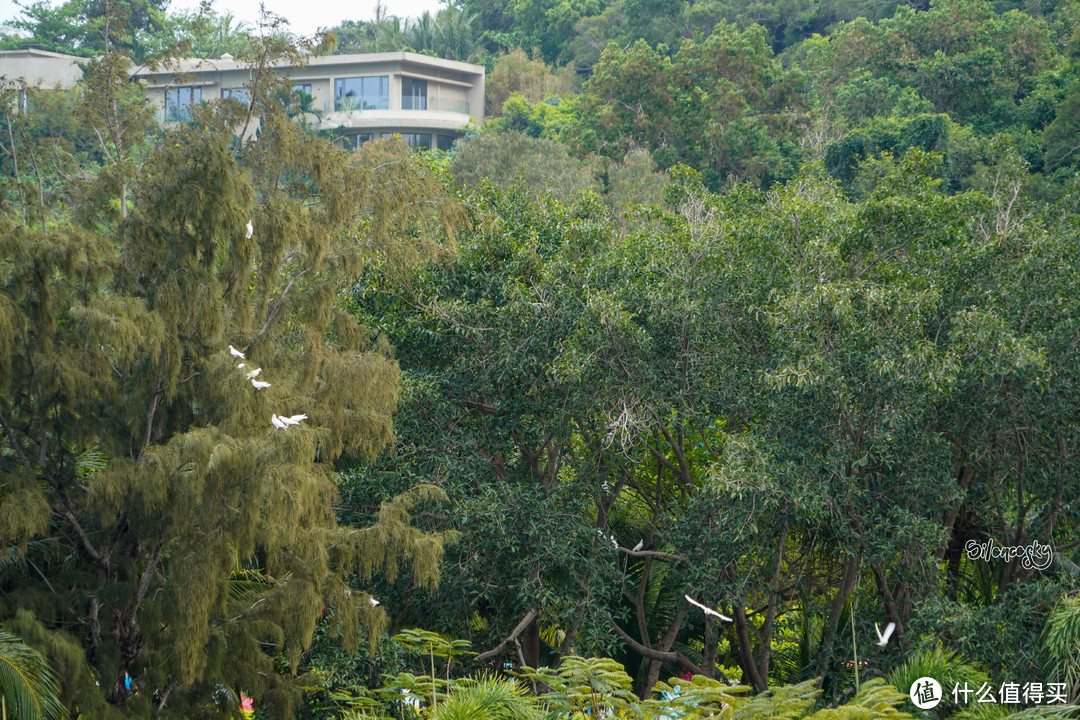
x=201 y=547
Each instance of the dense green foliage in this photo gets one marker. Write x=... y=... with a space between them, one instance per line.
x=786 y=438
x=165 y=545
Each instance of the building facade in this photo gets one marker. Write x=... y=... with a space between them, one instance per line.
x=361 y=97
x=41 y=68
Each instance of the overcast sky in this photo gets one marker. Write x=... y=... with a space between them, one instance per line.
x=304 y=16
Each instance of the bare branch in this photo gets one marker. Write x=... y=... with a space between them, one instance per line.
x=512 y=637
x=661 y=655
x=654 y=554
x=15 y=445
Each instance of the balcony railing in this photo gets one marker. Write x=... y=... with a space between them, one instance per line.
x=448 y=105
x=460 y=107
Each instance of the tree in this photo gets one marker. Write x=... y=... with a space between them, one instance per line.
x=202 y=34
x=773 y=402
x=57 y=29
x=87 y=27
x=514 y=72
x=544 y=166
x=202 y=547
x=722 y=105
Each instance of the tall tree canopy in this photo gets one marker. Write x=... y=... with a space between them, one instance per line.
x=179 y=547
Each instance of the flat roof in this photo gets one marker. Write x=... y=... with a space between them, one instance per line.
x=35 y=52
x=197 y=65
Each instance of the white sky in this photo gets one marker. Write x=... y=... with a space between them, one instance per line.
x=304 y=16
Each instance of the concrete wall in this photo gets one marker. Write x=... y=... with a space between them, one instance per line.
x=38 y=68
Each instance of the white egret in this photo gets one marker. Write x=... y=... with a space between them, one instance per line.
x=374 y=602
x=250 y=230
x=883 y=637
x=254 y=373
x=241 y=366
x=708 y=610
x=640 y=544
x=409 y=698
x=278 y=422
x=293 y=419
x=259 y=384
x=236 y=353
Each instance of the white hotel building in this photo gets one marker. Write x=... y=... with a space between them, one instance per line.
x=426 y=100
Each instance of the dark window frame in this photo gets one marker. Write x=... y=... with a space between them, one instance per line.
x=359 y=87
x=415 y=96
x=176 y=110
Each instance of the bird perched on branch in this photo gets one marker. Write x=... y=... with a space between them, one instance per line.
x=259 y=384
x=236 y=353
x=281 y=422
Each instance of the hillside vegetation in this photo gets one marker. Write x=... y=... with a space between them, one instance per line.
x=769 y=309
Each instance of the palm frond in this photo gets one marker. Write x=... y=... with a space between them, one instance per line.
x=946 y=666
x=1061 y=644
x=488 y=698
x=875 y=700
x=27 y=683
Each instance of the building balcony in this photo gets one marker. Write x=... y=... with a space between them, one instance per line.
x=408 y=104
x=449 y=115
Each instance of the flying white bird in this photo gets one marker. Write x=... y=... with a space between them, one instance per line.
x=374 y=602
x=293 y=419
x=259 y=384
x=708 y=610
x=254 y=373
x=279 y=423
x=640 y=544
x=883 y=637
x=236 y=353
x=250 y=230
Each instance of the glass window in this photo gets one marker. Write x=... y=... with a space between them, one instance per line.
x=178 y=102
x=302 y=87
x=241 y=94
x=417 y=140
x=413 y=94
x=446 y=142
x=362 y=93
x=354 y=141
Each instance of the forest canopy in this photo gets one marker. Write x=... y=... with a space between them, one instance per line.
x=727 y=369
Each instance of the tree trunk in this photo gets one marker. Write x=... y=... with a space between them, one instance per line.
x=530 y=643
x=708 y=659
x=836 y=607
x=746 y=650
